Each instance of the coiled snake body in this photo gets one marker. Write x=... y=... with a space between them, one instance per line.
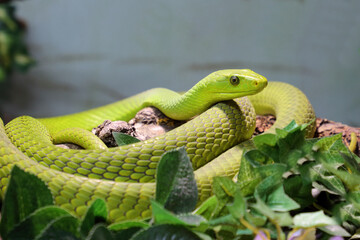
x=124 y=176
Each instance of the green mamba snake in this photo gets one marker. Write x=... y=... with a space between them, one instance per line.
x=124 y=176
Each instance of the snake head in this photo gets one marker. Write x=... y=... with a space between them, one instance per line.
x=233 y=83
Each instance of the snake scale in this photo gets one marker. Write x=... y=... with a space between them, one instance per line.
x=125 y=176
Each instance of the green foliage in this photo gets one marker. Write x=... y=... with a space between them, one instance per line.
x=21 y=199
x=176 y=186
x=166 y=231
x=286 y=181
x=28 y=212
x=32 y=226
x=287 y=187
x=13 y=52
x=96 y=213
x=124 y=139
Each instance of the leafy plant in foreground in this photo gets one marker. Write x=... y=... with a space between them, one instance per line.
x=287 y=182
x=28 y=213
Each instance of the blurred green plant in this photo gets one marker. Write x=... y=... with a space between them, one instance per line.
x=14 y=55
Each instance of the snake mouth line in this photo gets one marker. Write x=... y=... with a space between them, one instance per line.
x=236 y=93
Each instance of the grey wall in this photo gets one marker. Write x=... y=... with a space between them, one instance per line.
x=91 y=52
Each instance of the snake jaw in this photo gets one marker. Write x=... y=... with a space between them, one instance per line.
x=233 y=95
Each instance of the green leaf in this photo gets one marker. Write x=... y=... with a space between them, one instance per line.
x=36 y=222
x=271 y=191
x=166 y=231
x=96 y=213
x=299 y=190
x=163 y=216
x=238 y=208
x=99 y=232
x=256 y=158
x=282 y=219
x=284 y=147
x=347 y=212
x=267 y=138
x=255 y=218
x=224 y=220
x=292 y=126
x=354 y=198
x=270 y=197
x=176 y=186
x=325 y=143
x=25 y=193
x=335 y=230
x=279 y=201
x=127 y=234
x=320 y=174
x=254 y=167
x=339 y=163
x=54 y=235
x=192 y=220
x=351 y=161
x=240 y=232
x=224 y=189
x=64 y=226
x=291 y=148
x=333 y=158
x=202 y=236
x=208 y=208
x=351 y=181
x=249 y=176
x=275 y=169
x=266 y=144
x=313 y=219
x=122 y=139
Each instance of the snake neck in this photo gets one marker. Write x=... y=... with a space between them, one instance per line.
x=181 y=106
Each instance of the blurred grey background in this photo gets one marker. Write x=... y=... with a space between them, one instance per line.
x=90 y=53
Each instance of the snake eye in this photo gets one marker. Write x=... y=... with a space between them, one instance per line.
x=234 y=80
